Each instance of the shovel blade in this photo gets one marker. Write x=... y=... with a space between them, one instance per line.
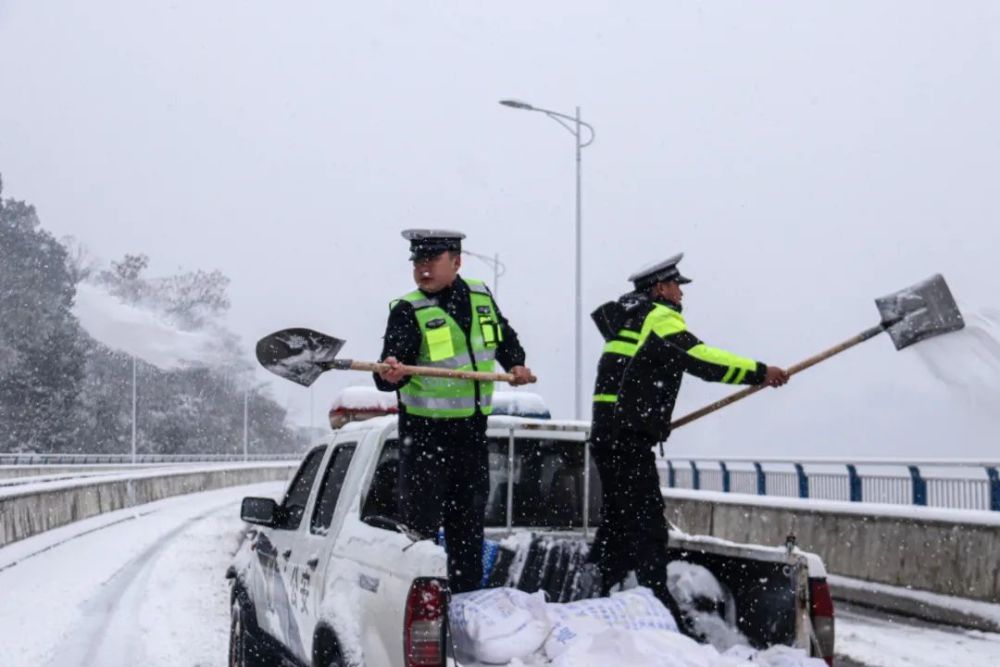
x=924 y=310
x=299 y=355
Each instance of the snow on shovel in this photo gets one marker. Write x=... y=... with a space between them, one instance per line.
x=910 y=315
x=302 y=355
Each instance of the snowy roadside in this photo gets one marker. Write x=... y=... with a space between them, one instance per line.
x=165 y=565
x=933 y=607
x=891 y=642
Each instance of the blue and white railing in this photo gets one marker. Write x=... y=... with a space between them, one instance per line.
x=115 y=459
x=959 y=484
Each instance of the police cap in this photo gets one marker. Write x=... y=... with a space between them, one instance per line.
x=660 y=272
x=432 y=242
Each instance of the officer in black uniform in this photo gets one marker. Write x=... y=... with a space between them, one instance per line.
x=647 y=351
x=448 y=322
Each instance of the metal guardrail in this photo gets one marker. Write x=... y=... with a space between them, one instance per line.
x=80 y=459
x=957 y=483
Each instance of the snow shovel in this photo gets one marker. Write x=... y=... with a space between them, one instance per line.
x=910 y=315
x=302 y=355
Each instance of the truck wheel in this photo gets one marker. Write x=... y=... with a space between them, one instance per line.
x=326 y=650
x=244 y=649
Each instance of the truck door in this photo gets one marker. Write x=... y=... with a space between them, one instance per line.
x=312 y=547
x=274 y=549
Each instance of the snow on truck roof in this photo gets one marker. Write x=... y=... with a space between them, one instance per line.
x=363 y=399
x=574 y=429
x=369 y=400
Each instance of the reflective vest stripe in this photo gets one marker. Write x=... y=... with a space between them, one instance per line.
x=619 y=347
x=423 y=303
x=462 y=403
x=737 y=366
x=462 y=360
x=605 y=398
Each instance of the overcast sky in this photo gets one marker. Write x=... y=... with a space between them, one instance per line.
x=806 y=156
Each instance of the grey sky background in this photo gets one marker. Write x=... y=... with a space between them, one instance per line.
x=806 y=156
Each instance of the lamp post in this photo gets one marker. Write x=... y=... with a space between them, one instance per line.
x=134 y=407
x=498 y=267
x=246 y=425
x=246 y=418
x=575 y=130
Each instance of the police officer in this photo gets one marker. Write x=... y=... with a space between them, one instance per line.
x=647 y=351
x=447 y=322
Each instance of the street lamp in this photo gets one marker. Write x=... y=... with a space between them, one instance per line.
x=498 y=267
x=246 y=417
x=134 y=407
x=573 y=129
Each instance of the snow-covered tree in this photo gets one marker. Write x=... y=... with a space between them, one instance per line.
x=41 y=348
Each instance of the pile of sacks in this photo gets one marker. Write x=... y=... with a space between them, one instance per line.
x=506 y=626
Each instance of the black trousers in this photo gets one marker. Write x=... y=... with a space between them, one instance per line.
x=444 y=481
x=633 y=532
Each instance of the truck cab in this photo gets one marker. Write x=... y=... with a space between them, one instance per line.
x=329 y=575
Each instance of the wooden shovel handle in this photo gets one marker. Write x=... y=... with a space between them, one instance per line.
x=792 y=370
x=378 y=367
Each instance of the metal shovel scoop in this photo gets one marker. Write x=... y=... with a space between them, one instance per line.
x=302 y=355
x=910 y=315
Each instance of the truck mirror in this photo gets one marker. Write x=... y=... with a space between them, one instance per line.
x=260 y=511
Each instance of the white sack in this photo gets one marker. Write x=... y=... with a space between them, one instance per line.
x=496 y=625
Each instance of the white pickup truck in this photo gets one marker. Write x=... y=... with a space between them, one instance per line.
x=329 y=576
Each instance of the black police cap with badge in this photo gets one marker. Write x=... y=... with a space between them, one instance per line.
x=665 y=271
x=426 y=243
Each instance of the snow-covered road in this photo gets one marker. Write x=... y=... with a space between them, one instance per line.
x=878 y=639
x=146 y=586
x=143 y=586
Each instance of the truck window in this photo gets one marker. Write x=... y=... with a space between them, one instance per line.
x=329 y=489
x=548 y=484
x=294 y=504
x=383 y=494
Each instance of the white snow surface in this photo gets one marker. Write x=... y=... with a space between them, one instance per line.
x=139 y=332
x=886 y=643
x=985 y=610
x=139 y=586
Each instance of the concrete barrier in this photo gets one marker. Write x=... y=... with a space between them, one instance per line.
x=950 y=552
x=28 y=513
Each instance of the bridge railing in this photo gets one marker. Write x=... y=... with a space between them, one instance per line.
x=952 y=483
x=114 y=459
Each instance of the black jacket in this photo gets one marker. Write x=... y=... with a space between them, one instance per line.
x=402 y=333
x=646 y=384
